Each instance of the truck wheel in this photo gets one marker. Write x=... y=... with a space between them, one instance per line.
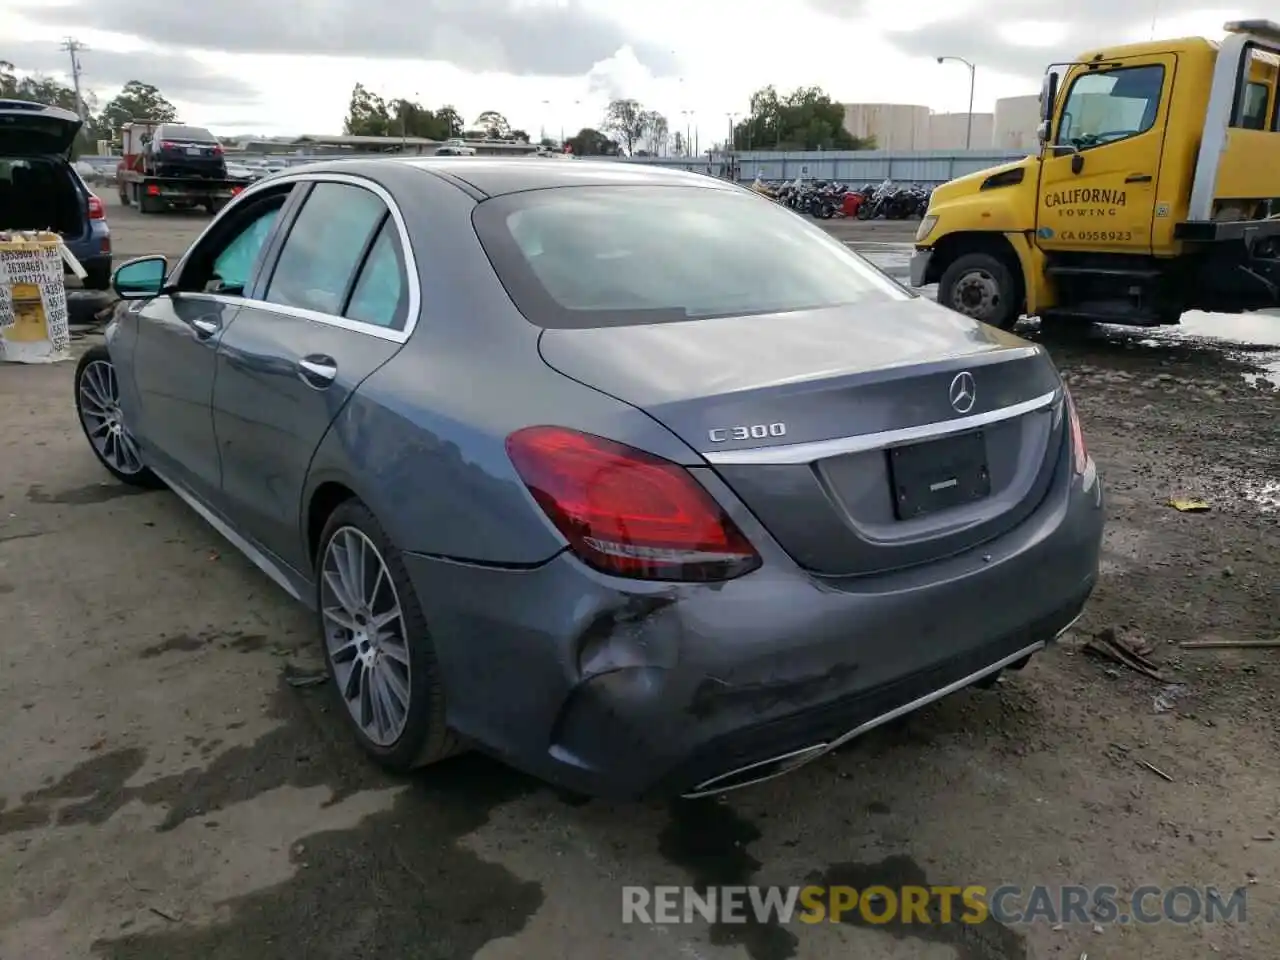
x=981 y=286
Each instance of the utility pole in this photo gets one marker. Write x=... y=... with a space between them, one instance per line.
x=74 y=47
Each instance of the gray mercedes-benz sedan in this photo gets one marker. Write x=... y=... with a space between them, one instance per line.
x=629 y=477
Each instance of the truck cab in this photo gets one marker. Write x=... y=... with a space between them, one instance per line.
x=1156 y=191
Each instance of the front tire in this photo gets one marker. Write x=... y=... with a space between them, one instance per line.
x=377 y=647
x=981 y=286
x=103 y=422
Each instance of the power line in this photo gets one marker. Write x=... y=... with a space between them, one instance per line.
x=74 y=47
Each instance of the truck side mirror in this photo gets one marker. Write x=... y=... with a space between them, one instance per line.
x=1048 y=97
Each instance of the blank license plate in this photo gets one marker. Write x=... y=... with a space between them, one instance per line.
x=194 y=151
x=933 y=476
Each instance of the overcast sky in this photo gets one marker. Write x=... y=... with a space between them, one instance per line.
x=287 y=66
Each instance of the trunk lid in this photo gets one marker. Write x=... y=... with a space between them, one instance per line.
x=30 y=129
x=837 y=427
x=177 y=148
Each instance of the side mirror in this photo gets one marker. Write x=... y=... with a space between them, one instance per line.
x=140 y=279
x=1048 y=98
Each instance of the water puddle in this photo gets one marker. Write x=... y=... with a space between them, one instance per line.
x=1265 y=494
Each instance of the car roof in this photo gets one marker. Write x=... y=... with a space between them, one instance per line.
x=484 y=177
x=495 y=176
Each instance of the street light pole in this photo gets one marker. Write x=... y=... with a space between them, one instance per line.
x=973 y=76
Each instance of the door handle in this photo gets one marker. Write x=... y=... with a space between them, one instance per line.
x=318 y=371
x=205 y=328
x=1138 y=178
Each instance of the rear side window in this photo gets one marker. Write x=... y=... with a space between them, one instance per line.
x=1254 y=100
x=612 y=256
x=380 y=294
x=325 y=247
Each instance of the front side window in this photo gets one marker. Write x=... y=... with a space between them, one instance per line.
x=1105 y=106
x=324 y=247
x=225 y=260
x=234 y=265
x=612 y=256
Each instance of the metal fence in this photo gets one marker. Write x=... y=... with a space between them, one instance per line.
x=849 y=166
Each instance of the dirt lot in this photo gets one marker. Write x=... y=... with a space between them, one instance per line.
x=167 y=793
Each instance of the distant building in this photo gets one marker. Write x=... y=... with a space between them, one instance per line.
x=900 y=126
x=1016 y=120
x=895 y=126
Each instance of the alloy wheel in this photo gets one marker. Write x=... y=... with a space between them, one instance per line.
x=104 y=420
x=365 y=635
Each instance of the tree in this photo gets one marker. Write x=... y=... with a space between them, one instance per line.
x=137 y=101
x=656 y=131
x=520 y=135
x=590 y=142
x=805 y=119
x=494 y=125
x=367 y=114
x=450 y=121
x=678 y=147
x=627 y=120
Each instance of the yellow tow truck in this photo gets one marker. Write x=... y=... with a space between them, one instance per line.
x=1156 y=191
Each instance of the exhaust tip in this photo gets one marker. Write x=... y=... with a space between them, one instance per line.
x=757 y=772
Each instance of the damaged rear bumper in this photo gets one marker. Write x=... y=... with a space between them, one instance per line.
x=620 y=689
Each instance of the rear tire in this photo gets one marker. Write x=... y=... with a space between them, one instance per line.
x=103 y=423
x=355 y=658
x=981 y=286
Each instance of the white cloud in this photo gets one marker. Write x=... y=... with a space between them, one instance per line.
x=857 y=50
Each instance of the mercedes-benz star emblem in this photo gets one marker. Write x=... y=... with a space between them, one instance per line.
x=963 y=392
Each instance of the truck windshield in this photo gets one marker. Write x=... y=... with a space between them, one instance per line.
x=1106 y=106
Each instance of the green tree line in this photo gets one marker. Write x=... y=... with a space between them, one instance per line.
x=136 y=101
x=805 y=119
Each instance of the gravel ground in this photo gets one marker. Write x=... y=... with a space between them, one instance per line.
x=166 y=793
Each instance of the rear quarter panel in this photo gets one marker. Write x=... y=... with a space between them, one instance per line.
x=422 y=442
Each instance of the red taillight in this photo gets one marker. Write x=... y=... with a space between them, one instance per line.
x=168 y=145
x=217 y=150
x=627 y=512
x=1080 y=455
x=153 y=190
x=96 y=211
x=235 y=191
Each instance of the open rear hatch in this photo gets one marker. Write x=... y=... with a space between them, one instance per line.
x=34 y=130
x=865 y=439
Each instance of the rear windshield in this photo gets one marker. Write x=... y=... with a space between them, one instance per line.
x=187 y=133
x=612 y=256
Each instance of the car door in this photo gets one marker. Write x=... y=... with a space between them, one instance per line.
x=1099 y=179
x=178 y=336
x=335 y=306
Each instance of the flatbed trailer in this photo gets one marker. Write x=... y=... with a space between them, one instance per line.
x=156 y=194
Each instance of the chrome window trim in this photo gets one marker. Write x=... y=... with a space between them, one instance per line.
x=801 y=453
x=356 y=326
